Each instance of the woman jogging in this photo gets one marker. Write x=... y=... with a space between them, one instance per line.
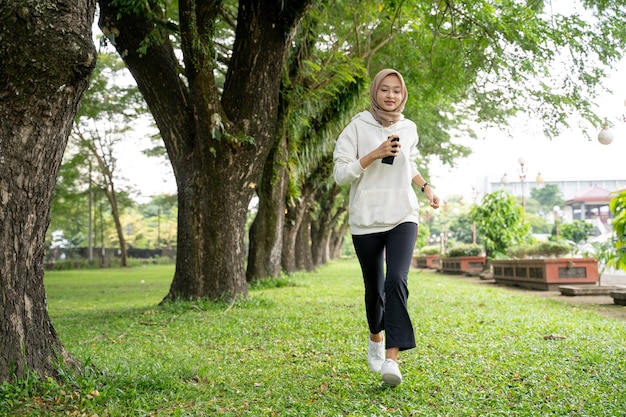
x=376 y=155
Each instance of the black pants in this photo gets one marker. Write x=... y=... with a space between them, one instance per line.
x=386 y=296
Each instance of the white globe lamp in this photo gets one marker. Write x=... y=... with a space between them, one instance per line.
x=606 y=136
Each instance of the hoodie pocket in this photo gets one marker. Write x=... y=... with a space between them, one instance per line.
x=382 y=207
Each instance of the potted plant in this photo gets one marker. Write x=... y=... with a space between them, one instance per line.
x=544 y=266
x=465 y=258
x=427 y=257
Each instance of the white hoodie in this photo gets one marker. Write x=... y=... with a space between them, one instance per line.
x=381 y=196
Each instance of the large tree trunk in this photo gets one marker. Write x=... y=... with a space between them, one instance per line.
x=266 y=232
x=46 y=55
x=217 y=140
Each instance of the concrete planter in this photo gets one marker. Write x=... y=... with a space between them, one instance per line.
x=545 y=274
x=427 y=261
x=463 y=264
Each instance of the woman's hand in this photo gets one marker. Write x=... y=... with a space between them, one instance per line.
x=433 y=199
x=390 y=147
x=387 y=148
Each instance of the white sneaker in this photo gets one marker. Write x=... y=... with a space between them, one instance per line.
x=390 y=373
x=375 y=355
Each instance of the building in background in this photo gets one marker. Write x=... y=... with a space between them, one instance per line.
x=584 y=199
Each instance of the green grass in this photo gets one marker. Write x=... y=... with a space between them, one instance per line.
x=297 y=348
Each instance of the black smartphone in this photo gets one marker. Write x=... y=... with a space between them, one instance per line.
x=389 y=159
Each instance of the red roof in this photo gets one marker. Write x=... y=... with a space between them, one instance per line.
x=594 y=194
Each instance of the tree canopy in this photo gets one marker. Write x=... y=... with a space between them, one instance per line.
x=465 y=62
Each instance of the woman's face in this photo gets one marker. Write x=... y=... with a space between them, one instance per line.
x=389 y=94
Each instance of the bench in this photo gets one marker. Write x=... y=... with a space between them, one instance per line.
x=619 y=297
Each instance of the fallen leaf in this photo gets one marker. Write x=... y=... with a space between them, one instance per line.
x=554 y=337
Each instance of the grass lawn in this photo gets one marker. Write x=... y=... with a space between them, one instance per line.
x=298 y=349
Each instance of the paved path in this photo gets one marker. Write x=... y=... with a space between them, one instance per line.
x=613 y=277
x=603 y=304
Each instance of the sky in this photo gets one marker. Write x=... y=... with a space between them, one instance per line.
x=148 y=175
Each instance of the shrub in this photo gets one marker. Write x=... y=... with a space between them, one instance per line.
x=70 y=264
x=467 y=249
x=550 y=249
x=576 y=231
x=519 y=251
x=430 y=250
x=553 y=249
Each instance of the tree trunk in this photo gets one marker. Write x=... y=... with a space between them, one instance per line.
x=210 y=253
x=304 y=256
x=115 y=212
x=47 y=55
x=107 y=186
x=293 y=220
x=319 y=246
x=108 y=189
x=266 y=232
x=326 y=219
x=321 y=230
x=337 y=238
x=217 y=139
x=320 y=243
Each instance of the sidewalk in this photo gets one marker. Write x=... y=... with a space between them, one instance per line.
x=603 y=304
x=613 y=277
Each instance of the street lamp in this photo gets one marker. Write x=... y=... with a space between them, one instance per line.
x=474 y=195
x=523 y=171
x=539 y=180
x=444 y=234
x=556 y=221
x=606 y=136
x=522 y=178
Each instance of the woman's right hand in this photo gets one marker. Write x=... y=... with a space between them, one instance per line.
x=390 y=147
x=387 y=148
